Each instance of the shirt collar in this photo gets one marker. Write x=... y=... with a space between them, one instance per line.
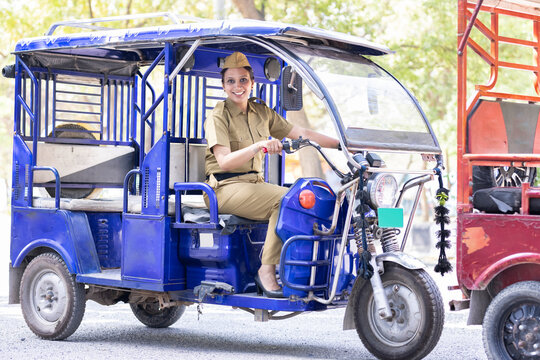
x=235 y=110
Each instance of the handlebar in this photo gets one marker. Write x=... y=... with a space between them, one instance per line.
x=290 y=146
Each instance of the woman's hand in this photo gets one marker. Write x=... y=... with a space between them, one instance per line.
x=272 y=146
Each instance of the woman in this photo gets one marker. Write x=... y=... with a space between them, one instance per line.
x=237 y=131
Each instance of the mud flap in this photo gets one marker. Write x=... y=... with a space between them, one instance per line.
x=15 y=275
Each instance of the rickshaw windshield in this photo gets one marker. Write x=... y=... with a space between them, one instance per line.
x=375 y=109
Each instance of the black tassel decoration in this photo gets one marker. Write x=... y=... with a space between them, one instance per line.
x=441 y=218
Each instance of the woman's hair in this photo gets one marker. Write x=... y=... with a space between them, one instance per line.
x=248 y=68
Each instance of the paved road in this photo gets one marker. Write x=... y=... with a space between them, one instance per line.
x=219 y=333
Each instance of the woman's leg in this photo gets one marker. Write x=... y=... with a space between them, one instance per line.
x=257 y=201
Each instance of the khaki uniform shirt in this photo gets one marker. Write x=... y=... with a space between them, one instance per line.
x=235 y=129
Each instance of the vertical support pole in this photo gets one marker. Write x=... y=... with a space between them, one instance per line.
x=53 y=106
x=128 y=110
x=47 y=80
x=462 y=195
x=134 y=94
x=181 y=110
x=115 y=109
x=188 y=116
x=17 y=110
x=122 y=84
x=108 y=84
x=101 y=107
x=536 y=55
x=196 y=117
x=203 y=117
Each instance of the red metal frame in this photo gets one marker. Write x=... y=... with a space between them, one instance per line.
x=494 y=246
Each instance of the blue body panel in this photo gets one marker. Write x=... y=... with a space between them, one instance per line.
x=150 y=251
x=107 y=232
x=232 y=259
x=22 y=161
x=66 y=232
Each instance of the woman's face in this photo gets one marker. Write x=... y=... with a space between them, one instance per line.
x=237 y=85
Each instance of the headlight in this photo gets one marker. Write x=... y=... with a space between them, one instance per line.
x=382 y=189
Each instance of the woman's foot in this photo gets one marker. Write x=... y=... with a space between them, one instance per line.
x=266 y=281
x=267 y=275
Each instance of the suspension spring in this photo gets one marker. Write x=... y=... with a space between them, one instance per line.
x=389 y=240
x=369 y=240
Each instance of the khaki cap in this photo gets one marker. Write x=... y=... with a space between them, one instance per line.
x=236 y=60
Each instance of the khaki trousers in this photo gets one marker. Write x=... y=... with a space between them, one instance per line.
x=250 y=197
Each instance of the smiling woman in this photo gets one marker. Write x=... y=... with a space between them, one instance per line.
x=238 y=132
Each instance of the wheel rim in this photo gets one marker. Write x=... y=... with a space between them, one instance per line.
x=521 y=331
x=407 y=315
x=512 y=176
x=48 y=296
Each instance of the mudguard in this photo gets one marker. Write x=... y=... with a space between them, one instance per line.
x=65 y=232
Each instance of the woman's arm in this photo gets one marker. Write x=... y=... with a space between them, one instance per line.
x=228 y=160
x=323 y=140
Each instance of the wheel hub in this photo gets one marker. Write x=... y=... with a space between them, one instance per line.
x=522 y=331
x=406 y=319
x=49 y=296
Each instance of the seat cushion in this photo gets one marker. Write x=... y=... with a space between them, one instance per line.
x=502 y=200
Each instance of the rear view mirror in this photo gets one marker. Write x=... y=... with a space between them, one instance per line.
x=291 y=90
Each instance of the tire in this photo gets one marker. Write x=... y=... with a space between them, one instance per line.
x=63 y=131
x=501 y=176
x=511 y=323
x=410 y=292
x=151 y=315
x=52 y=302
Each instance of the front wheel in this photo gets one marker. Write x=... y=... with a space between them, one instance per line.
x=152 y=315
x=418 y=314
x=52 y=302
x=512 y=322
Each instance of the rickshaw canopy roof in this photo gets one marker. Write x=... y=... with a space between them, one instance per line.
x=147 y=37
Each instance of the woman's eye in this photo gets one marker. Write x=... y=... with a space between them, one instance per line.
x=243 y=80
x=230 y=81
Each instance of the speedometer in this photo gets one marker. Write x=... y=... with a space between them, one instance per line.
x=382 y=189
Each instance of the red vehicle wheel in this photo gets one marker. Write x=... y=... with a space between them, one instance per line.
x=510 y=328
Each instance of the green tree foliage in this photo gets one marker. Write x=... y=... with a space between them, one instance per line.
x=422 y=33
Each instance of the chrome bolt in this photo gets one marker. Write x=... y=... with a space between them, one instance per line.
x=400 y=321
x=382 y=314
x=522 y=327
x=536 y=346
x=401 y=306
x=391 y=304
x=395 y=288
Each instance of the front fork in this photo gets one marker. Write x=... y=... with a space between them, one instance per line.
x=381 y=302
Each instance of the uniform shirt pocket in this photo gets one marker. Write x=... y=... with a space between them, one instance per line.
x=263 y=132
x=236 y=139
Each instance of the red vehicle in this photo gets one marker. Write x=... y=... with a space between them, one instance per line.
x=498 y=206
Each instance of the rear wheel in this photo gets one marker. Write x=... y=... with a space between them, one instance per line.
x=154 y=316
x=512 y=322
x=418 y=314
x=502 y=176
x=52 y=302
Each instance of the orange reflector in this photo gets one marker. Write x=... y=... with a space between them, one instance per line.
x=307 y=199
